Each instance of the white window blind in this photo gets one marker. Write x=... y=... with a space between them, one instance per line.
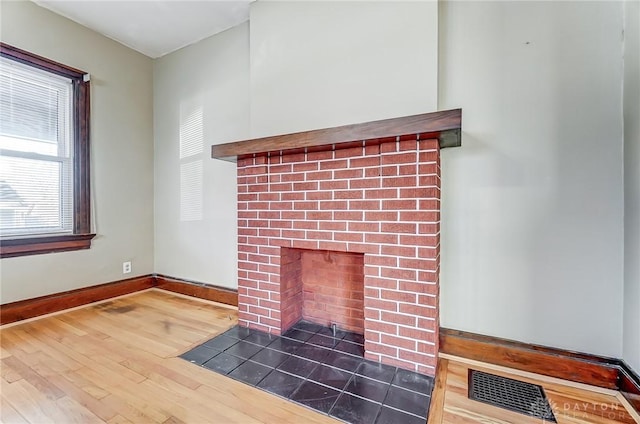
x=36 y=151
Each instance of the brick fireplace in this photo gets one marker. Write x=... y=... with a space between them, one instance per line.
x=347 y=236
x=342 y=226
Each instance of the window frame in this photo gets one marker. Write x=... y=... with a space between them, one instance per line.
x=82 y=235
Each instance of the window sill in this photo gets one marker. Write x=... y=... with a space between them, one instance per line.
x=47 y=244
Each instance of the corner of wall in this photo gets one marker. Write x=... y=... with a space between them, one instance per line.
x=631 y=109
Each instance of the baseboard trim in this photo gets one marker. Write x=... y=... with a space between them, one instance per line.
x=44 y=305
x=609 y=373
x=31 y=308
x=629 y=383
x=572 y=366
x=199 y=290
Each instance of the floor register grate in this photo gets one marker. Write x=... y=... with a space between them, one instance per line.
x=518 y=396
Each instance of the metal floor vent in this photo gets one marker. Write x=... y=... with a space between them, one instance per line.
x=525 y=398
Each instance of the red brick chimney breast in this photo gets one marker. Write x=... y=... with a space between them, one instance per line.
x=348 y=236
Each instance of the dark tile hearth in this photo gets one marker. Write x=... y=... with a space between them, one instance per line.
x=344 y=362
x=376 y=371
x=353 y=337
x=412 y=381
x=355 y=410
x=408 y=401
x=270 y=358
x=367 y=388
x=351 y=348
x=393 y=416
x=223 y=363
x=285 y=345
x=315 y=396
x=244 y=350
x=237 y=332
x=313 y=353
x=261 y=339
x=326 y=331
x=298 y=366
x=324 y=341
x=280 y=383
x=221 y=342
x=200 y=354
x=250 y=372
x=329 y=374
x=296 y=334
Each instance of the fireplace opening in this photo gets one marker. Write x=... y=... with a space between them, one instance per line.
x=322 y=286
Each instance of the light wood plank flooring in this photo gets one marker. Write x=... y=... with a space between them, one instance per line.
x=116 y=362
x=572 y=403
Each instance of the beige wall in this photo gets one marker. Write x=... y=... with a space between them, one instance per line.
x=321 y=64
x=532 y=204
x=202 y=90
x=631 y=94
x=121 y=155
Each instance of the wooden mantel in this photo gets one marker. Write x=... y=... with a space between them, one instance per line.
x=444 y=125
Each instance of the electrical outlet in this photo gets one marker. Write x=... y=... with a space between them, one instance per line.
x=126 y=267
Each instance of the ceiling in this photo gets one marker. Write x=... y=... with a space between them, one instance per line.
x=152 y=27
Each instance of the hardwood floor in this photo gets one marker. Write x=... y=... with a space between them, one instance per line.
x=572 y=403
x=116 y=362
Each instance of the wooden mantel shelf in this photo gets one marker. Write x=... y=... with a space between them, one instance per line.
x=444 y=125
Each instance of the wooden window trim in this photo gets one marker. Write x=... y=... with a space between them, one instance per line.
x=82 y=236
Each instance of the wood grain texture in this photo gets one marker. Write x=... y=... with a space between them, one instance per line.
x=436 y=407
x=30 y=308
x=441 y=125
x=572 y=366
x=117 y=362
x=570 y=404
x=199 y=290
x=82 y=156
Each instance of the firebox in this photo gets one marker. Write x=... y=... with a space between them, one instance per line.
x=322 y=286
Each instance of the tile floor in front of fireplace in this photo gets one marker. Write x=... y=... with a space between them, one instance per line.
x=309 y=366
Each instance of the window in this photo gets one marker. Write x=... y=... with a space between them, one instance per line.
x=44 y=155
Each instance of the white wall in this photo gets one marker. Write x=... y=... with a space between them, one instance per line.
x=323 y=64
x=631 y=353
x=121 y=155
x=201 y=97
x=532 y=208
